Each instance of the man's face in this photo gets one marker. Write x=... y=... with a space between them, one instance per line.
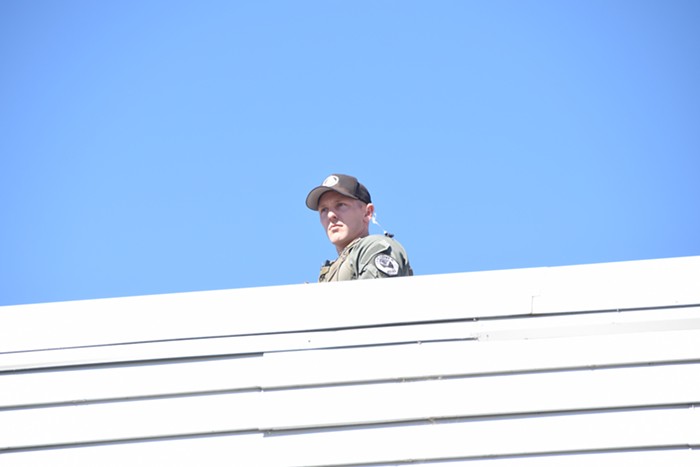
x=343 y=218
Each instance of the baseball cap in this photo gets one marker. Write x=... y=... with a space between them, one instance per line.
x=344 y=184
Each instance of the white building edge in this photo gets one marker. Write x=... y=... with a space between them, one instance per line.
x=565 y=366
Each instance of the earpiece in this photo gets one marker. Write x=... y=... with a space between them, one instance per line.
x=374 y=221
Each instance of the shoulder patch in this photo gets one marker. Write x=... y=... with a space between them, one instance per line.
x=386 y=264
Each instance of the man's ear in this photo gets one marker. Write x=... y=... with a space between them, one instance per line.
x=369 y=212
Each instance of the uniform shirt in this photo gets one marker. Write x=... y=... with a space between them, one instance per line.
x=370 y=257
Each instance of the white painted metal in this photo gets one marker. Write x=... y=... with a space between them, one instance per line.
x=447 y=359
x=629 y=284
x=675 y=458
x=366 y=385
x=520 y=437
x=487 y=396
x=502 y=437
x=342 y=406
x=315 y=306
x=23 y=389
x=138 y=419
x=239 y=450
x=328 y=367
x=516 y=328
x=264 y=309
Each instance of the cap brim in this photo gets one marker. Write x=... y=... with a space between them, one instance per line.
x=315 y=195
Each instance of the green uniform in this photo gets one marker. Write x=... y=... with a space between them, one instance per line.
x=370 y=257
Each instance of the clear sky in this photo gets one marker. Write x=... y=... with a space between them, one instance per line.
x=158 y=146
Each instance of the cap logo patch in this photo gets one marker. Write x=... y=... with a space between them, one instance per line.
x=387 y=265
x=331 y=181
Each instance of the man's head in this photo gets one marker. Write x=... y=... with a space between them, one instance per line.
x=345 y=209
x=343 y=184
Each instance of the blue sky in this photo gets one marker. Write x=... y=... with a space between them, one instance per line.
x=167 y=146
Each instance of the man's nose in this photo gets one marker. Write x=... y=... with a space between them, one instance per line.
x=331 y=215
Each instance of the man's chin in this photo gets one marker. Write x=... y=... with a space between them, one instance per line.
x=335 y=236
x=338 y=240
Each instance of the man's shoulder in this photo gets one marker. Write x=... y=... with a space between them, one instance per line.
x=378 y=243
x=371 y=239
x=381 y=256
x=377 y=239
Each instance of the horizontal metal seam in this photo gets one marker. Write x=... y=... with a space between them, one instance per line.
x=527 y=315
x=296 y=431
x=367 y=382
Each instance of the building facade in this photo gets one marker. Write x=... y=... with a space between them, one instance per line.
x=564 y=366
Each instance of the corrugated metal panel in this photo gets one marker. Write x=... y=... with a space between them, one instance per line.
x=661 y=431
x=361 y=365
x=567 y=369
x=254 y=451
x=637 y=284
x=363 y=405
x=476 y=328
x=250 y=450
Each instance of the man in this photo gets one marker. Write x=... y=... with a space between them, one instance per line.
x=345 y=209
